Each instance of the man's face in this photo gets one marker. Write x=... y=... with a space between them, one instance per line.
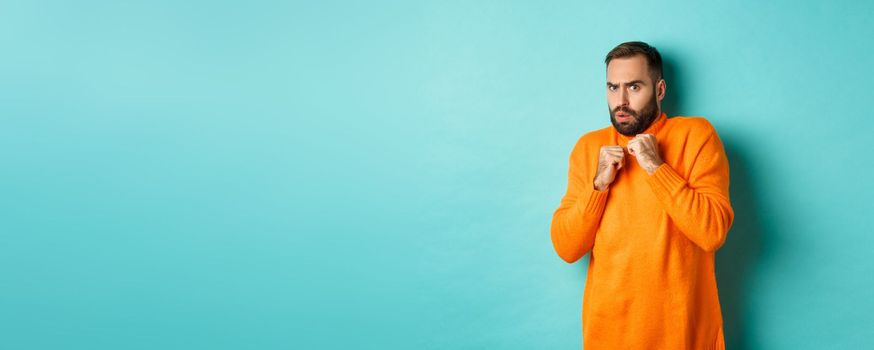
x=631 y=95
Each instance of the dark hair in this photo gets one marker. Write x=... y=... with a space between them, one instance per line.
x=632 y=48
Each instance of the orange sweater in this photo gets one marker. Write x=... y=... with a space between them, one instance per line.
x=651 y=282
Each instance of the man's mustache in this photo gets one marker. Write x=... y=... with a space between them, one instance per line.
x=625 y=110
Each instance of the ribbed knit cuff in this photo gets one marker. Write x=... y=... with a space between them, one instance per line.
x=595 y=204
x=665 y=182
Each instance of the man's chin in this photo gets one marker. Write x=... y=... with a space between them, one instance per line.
x=624 y=127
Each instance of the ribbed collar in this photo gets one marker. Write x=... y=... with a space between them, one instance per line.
x=652 y=129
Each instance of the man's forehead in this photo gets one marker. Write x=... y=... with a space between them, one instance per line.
x=627 y=69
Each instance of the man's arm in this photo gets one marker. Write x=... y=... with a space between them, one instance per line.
x=578 y=216
x=699 y=206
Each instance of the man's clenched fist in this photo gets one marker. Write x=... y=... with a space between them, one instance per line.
x=610 y=160
x=645 y=148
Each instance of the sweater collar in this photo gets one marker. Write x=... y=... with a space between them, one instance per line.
x=652 y=129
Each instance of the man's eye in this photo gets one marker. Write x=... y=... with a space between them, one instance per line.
x=611 y=88
x=634 y=87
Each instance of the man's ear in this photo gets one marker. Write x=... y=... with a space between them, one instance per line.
x=661 y=89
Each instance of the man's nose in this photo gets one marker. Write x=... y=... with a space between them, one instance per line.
x=623 y=95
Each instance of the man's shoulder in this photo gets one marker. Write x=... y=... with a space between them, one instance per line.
x=598 y=135
x=695 y=126
x=591 y=141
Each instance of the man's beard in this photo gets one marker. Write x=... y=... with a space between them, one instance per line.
x=641 y=121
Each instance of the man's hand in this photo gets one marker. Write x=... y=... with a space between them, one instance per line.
x=645 y=148
x=610 y=160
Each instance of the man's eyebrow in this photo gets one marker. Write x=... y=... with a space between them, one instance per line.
x=639 y=82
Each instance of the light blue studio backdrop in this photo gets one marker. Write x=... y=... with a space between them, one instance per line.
x=328 y=175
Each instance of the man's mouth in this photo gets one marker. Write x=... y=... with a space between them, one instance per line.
x=622 y=117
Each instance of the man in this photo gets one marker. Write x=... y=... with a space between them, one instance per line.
x=648 y=197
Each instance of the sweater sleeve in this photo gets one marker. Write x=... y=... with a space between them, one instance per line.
x=699 y=206
x=578 y=216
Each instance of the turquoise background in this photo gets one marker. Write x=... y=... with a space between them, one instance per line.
x=375 y=175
